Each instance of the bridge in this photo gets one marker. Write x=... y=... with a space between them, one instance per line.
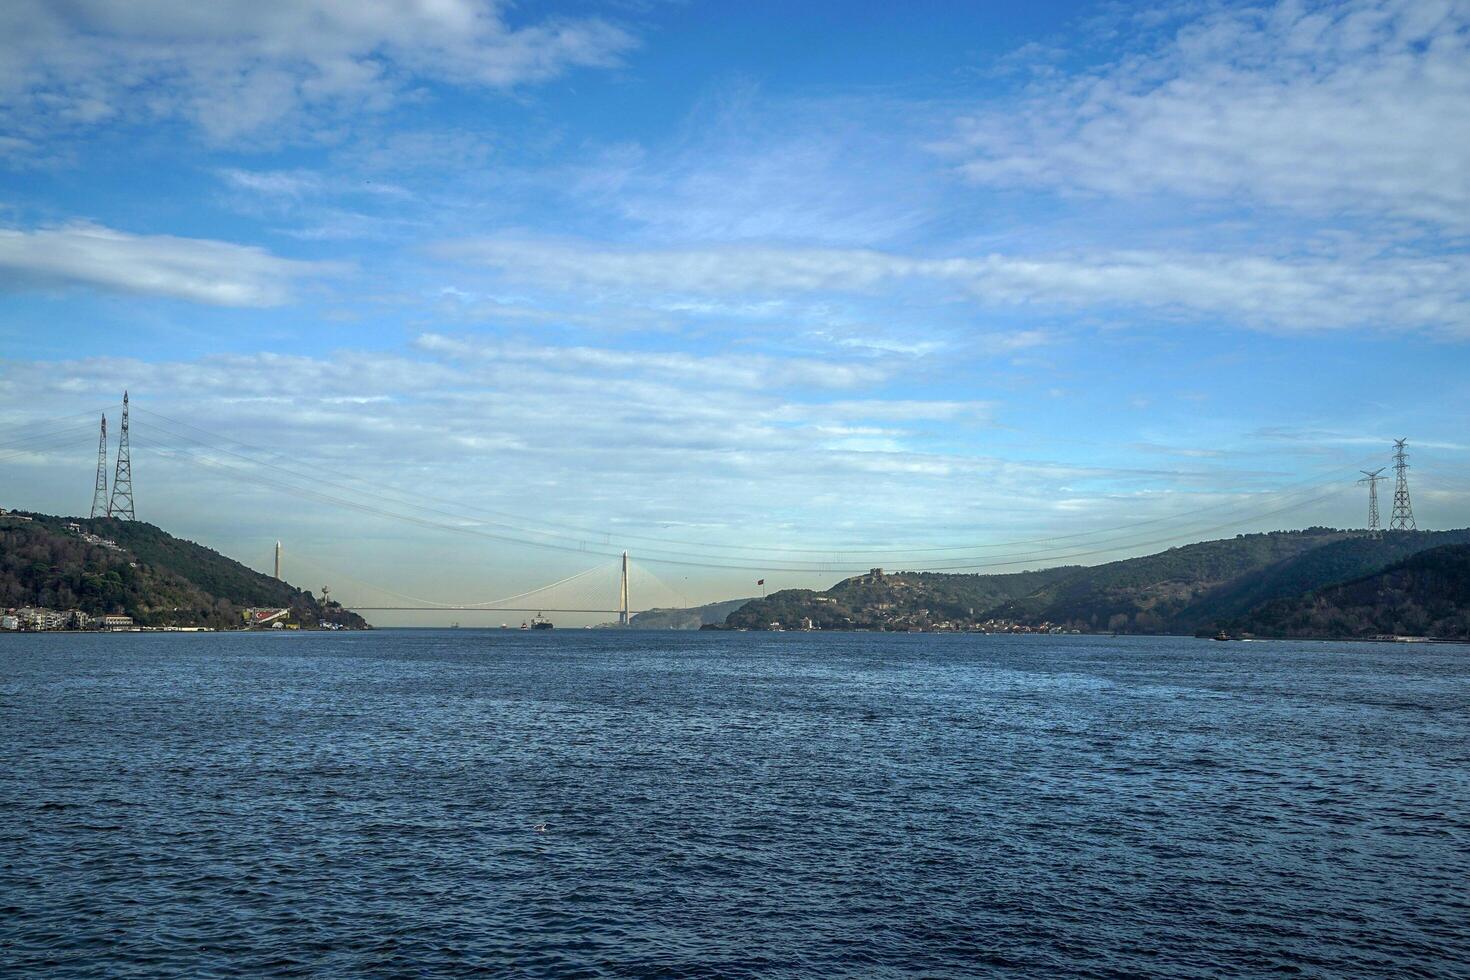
x=577 y=594
x=604 y=590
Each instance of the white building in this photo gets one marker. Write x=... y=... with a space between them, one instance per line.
x=33 y=618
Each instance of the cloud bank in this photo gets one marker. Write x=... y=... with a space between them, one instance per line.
x=198 y=270
x=1331 y=108
x=1288 y=294
x=238 y=69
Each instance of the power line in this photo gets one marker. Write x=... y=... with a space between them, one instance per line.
x=581 y=535
x=90 y=413
x=739 y=562
x=955 y=566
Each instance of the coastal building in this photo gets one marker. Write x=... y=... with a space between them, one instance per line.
x=9 y=622
x=117 y=622
x=35 y=618
x=264 y=617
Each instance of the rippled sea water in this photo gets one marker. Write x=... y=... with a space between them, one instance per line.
x=587 y=803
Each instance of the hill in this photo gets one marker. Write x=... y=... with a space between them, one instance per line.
x=1181 y=590
x=685 y=619
x=158 y=579
x=1426 y=594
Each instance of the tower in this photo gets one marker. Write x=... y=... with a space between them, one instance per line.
x=1403 y=510
x=623 y=594
x=1372 y=479
x=99 y=494
x=278 y=561
x=121 y=505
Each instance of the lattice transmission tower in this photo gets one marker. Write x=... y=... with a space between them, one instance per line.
x=1372 y=478
x=1403 y=511
x=99 y=493
x=121 y=505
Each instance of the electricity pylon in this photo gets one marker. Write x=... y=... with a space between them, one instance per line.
x=1403 y=510
x=121 y=505
x=99 y=494
x=1372 y=479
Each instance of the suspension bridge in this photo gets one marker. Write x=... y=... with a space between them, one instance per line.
x=607 y=588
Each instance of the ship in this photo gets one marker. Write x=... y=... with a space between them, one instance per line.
x=540 y=622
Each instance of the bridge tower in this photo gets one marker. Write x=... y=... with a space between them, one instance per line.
x=623 y=594
x=99 y=495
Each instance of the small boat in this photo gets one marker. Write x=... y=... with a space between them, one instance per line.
x=504 y=627
x=524 y=626
x=1222 y=635
x=540 y=622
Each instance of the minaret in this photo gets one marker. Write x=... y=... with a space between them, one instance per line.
x=99 y=495
x=278 y=561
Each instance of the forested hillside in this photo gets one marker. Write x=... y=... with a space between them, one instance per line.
x=156 y=578
x=691 y=618
x=1182 y=590
x=1426 y=594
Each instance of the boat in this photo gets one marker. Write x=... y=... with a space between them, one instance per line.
x=1222 y=635
x=540 y=622
x=524 y=626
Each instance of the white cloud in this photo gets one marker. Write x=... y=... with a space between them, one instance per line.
x=719 y=270
x=1290 y=293
x=892 y=410
x=845 y=171
x=723 y=370
x=571 y=435
x=1352 y=107
x=238 y=68
x=275 y=183
x=195 y=269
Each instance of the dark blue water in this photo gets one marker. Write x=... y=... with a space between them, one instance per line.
x=778 y=805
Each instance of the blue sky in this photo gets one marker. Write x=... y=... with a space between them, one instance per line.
x=742 y=286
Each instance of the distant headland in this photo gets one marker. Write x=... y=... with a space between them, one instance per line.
x=108 y=574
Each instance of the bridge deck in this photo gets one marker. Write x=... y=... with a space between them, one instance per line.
x=540 y=609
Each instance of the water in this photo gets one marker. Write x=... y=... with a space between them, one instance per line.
x=780 y=805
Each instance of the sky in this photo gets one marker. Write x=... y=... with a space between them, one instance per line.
x=458 y=298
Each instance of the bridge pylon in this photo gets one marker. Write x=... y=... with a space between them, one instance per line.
x=623 y=594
